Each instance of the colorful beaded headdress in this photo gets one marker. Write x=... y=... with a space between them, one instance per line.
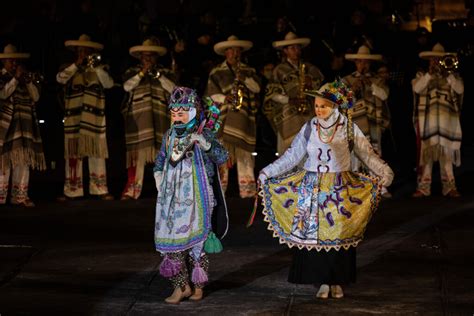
x=336 y=92
x=183 y=98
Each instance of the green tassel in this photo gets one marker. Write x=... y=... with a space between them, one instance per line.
x=212 y=244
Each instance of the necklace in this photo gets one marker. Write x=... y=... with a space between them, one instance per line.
x=326 y=134
x=335 y=122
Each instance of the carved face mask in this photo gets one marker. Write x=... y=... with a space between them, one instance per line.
x=323 y=108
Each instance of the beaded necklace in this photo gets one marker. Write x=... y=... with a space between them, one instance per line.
x=326 y=134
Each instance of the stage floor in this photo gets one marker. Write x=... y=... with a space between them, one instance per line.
x=97 y=257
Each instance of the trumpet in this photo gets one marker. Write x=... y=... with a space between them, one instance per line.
x=93 y=60
x=154 y=73
x=449 y=63
x=34 y=77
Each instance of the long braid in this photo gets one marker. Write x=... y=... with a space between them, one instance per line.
x=350 y=128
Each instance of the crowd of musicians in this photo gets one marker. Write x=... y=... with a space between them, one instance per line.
x=275 y=92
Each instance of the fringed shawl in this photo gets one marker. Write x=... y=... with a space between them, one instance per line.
x=437 y=122
x=146 y=117
x=239 y=127
x=285 y=118
x=375 y=110
x=84 y=117
x=20 y=138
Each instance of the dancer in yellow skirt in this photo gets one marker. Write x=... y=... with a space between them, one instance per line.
x=312 y=199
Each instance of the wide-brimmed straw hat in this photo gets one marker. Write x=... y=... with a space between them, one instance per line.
x=292 y=39
x=149 y=45
x=10 y=51
x=83 y=41
x=437 y=51
x=232 y=41
x=363 y=53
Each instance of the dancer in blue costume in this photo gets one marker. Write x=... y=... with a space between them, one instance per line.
x=190 y=208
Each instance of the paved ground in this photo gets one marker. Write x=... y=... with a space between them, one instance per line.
x=96 y=257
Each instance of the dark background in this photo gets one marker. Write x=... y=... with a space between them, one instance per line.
x=392 y=28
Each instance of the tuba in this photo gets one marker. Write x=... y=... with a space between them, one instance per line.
x=93 y=60
x=449 y=62
x=302 y=107
x=237 y=91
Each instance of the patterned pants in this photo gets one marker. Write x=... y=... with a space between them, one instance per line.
x=134 y=185
x=447 y=177
x=73 y=186
x=245 y=171
x=20 y=180
x=187 y=263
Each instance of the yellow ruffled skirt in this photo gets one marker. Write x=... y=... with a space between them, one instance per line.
x=320 y=210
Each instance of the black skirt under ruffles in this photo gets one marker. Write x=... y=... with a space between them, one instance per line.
x=332 y=267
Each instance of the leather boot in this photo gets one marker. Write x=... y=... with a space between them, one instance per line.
x=323 y=291
x=336 y=291
x=197 y=295
x=179 y=294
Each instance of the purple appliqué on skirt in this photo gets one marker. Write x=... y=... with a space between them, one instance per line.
x=356 y=186
x=281 y=190
x=345 y=212
x=329 y=219
x=294 y=188
x=355 y=200
x=183 y=229
x=288 y=203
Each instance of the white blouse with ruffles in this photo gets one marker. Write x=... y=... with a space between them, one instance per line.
x=333 y=156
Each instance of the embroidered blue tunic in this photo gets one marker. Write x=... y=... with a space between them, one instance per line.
x=185 y=195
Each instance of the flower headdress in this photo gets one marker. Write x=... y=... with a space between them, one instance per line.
x=213 y=122
x=337 y=92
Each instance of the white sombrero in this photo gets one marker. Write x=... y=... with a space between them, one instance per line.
x=232 y=41
x=292 y=39
x=10 y=52
x=437 y=51
x=149 y=45
x=363 y=53
x=83 y=41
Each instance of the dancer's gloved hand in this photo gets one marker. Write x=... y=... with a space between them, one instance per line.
x=203 y=143
x=262 y=177
x=158 y=175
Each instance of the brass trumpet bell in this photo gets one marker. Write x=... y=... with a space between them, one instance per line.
x=154 y=73
x=34 y=77
x=449 y=62
x=93 y=60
